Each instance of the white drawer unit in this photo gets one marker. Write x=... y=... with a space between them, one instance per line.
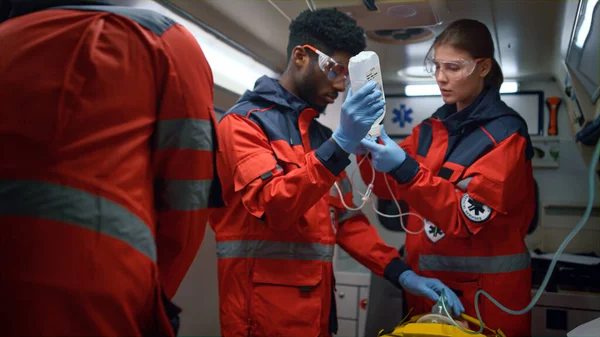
x=363 y=304
x=346 y=328
x=347 y=301
x=352 y=301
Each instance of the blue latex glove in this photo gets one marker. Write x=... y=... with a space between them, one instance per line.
x=384 y=157
x=359 y=112
x=430 y=288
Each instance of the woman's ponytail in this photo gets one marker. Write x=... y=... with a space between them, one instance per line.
x=494 y=78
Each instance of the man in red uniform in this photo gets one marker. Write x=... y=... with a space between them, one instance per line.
x=278 y=167
x=106 y=145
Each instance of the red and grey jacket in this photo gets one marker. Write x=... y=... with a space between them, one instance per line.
x=107 y=145
x=276 y=237
x=469 y=174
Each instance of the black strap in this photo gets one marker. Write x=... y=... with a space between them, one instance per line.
x=215 y=196
x=445 y=173
x=172 y=311
x=333 y=323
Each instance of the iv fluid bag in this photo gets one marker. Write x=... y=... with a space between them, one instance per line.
x=363 y=68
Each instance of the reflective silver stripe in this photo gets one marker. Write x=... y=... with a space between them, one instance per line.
x=182 y=195
x=475 y=264
x=464 y=183
x=65 y=204
x=274 y=250
x=333 y=191
x=345 y=215
x=345 y=186
x=189 y=134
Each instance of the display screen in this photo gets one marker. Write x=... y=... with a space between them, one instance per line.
x=583 y=50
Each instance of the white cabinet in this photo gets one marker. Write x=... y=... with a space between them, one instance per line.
x=346 y=328
x=347 y=301
x=363 y=303
x=352 y=291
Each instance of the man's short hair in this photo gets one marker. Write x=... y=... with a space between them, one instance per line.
x=328 y=30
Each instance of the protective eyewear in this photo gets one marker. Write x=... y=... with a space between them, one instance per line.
x=334 y=71
x=454 y=70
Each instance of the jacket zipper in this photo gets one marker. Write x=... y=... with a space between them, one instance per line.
x=287 y=125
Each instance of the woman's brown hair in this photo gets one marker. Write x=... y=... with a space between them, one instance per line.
x=475 y=38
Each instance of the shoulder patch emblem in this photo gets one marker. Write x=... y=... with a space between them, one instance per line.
x=433 y=232
x=474 y=210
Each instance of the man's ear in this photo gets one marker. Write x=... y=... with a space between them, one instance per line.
x=485 y=67
x=299 y=57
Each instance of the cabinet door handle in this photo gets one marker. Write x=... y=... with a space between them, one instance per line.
x=341 y=295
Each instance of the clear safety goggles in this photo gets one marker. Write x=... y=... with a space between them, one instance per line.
x=452 y=69
x=334 y=71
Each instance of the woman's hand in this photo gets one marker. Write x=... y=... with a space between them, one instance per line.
x=384 y=157
x=361 y=150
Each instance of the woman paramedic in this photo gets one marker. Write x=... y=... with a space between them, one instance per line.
x=467 y=171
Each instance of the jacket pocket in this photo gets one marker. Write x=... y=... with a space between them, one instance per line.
x=286 y=158
x=252 y=167
x=288 y=161
x=286 y=298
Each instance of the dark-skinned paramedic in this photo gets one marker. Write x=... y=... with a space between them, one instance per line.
x=467 y=170
x=106 y=140
x=277 y=166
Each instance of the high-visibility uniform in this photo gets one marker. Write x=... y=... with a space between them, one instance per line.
x=276 y=237
x=106 y=147
x=469 y=174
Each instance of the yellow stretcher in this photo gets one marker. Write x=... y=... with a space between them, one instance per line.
x=414 y=327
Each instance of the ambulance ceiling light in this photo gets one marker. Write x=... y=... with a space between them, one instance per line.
x=433 y=90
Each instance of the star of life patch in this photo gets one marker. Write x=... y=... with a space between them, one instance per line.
x=474 y=210
x=434 y=233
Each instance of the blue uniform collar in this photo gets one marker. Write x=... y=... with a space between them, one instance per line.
x=482 y=109
x=270 y=90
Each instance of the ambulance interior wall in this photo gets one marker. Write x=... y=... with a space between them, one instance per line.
x=198 y=294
